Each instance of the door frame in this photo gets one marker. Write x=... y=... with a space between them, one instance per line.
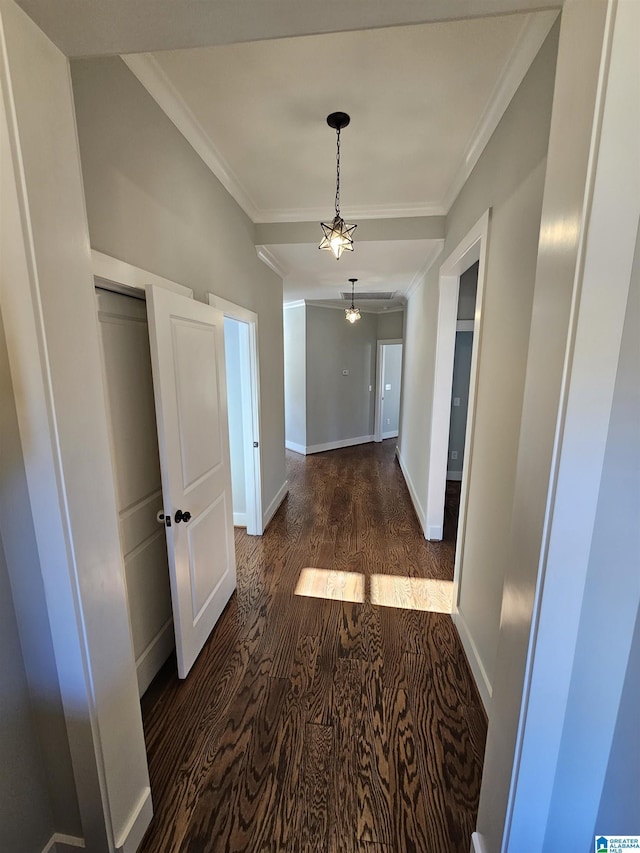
x=472 y=248
x=380 y=359
x=250 y=413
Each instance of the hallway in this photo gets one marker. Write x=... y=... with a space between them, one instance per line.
x=310 y=724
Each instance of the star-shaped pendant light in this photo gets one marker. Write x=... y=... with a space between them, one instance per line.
x=352 y=314
x=338 y=234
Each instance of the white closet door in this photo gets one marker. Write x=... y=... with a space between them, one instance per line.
x=187 y=355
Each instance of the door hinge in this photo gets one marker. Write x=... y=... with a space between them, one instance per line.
x=255 y=444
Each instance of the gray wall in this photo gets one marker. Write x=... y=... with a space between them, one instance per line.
x=508 y=178
x=41 y=794
x=390 y=325
x=460 y=390
x=339 y=407
x=151 y=201
x=26 y=820
x=467 y=293
x=393 y=377
x=232 y=329
x=295 y=375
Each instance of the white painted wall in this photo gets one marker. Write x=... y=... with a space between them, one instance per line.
x=151 y=201
x=232 y=332
x=509 y=179
x=295 y=377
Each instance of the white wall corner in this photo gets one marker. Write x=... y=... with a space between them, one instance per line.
x=297 y=448
x=275 y=504
x=239 y=519
x=413 y=494
x=473 y=657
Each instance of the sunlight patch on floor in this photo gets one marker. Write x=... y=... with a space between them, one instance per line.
x=326 y=583
x=430 y=594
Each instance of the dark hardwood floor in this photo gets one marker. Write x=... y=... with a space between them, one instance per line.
x=319 y=725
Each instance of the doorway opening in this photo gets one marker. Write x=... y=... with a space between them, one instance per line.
x=388 y=386
x=128 y=382
x=459 y=399
x=472 y=250
x=243 y=397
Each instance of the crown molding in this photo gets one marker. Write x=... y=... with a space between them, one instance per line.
x=267 y=257
x=533 y=32
x=298 y=303
x=148 y=71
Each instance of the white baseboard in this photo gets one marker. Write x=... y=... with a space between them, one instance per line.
x=454 y=475
x=156 y=653
x=392 y=434
x=61 y=843
x=129 y=838
x=297 y=448
x=336 y=445
x=239 y=519
x=475 y=664
x=477 y=843
x=412 y=489
x=275 y=503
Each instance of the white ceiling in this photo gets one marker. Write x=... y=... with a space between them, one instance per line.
x=378 y=266
x=424 y=100
x=417 y=97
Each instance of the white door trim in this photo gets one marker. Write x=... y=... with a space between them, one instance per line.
x=251 y=405
x=472 y=248
x=121 y=277
x=378 y=434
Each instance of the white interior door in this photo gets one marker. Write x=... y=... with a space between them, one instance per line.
x=187 y=356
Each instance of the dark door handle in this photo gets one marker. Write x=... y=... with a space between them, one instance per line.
x=182 y=516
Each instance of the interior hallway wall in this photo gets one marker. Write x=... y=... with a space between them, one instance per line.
x=390 y=325
x=339 y=408
x=509 y=179
x=151 y=201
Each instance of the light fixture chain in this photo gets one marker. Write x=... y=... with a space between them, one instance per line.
x=338 y=173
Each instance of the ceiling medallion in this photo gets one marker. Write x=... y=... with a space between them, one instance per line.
x=338 y=234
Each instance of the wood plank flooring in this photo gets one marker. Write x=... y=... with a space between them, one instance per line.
x=311 y=724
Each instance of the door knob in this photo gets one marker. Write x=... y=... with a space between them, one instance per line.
x=182 y=516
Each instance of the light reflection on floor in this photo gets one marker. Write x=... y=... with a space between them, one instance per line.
x=326 y=583
x=412 y=593
x=407 y=593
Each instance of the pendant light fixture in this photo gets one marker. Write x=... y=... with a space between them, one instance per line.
x=338 y=234
x=352 y=314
